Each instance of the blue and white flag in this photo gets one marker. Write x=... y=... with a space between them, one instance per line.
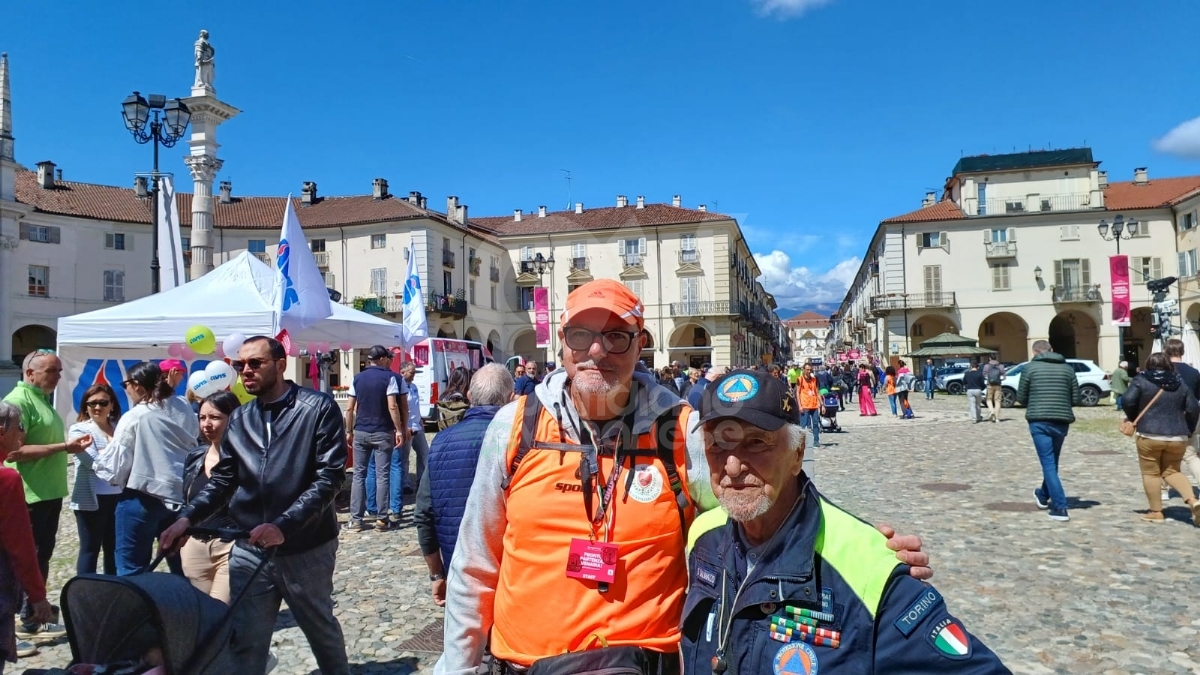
x=171 y=272
x=416 y=327
x=300 y=295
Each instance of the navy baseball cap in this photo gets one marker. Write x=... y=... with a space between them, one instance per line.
x=751 y=396
x=379 y=352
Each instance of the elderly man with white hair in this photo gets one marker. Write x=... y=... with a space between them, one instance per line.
x=794 y=584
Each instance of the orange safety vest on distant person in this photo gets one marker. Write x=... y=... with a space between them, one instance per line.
x=541 y=612
x=808 y=394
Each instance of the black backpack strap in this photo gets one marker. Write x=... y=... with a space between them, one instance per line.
x=666 y=429
x=533 y=410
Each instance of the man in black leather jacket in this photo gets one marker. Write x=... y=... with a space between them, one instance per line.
x=282 y=462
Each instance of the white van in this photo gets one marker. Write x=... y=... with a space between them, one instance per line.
x=435 y=358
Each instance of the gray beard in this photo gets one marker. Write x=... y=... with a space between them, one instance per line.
x=742 y=510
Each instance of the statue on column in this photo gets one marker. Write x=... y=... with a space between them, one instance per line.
x=204 y=61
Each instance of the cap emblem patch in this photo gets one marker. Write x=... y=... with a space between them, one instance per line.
x=737 y=389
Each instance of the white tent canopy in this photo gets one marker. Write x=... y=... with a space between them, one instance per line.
x=237 y=297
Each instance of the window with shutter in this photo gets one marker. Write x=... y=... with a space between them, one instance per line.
x=55 y=235
x=688 y=242
x=1182 y=260
x=634 y=285
x=471 y=290
x=1193 y=263
x=1058 y=274
x=379 y=281
x=114 y=286
x=578 y=250
x=493 y=298
x=1085 y=271
x=39 y=281
x=526 y=253
x=1000 y=277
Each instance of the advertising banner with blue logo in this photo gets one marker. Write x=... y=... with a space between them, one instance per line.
x=83 y=368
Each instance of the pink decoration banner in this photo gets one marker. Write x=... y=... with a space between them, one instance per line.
x=541 y=316
x=1118 y=266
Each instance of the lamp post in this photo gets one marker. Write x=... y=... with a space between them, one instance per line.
x=541 y=265
x=166 y=131
x=1129 y=229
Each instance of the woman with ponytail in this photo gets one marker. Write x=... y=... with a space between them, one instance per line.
x=146 y=458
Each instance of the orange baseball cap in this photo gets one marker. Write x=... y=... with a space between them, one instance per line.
x=609 y=295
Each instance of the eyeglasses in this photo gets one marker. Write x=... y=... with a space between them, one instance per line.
x=254 y=364
x=98 y=404
x=613 y=341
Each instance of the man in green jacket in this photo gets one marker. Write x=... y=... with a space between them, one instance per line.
x=1048 y=390
x=1120 y=383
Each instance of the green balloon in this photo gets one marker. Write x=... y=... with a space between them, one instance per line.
x=200 y=339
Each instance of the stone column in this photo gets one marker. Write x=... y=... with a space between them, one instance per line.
x=9 y=225
x=207 y=114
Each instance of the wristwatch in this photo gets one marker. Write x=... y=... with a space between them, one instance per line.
x=436 y=577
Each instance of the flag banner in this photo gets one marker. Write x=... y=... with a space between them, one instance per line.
x=84 y=367
x=416 y=327
x=171 y=271
x=1118 y=266
x=300 y=295
x=541 y=316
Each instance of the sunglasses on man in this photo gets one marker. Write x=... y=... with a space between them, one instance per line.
x=254 y=364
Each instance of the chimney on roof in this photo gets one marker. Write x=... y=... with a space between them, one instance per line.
x=452 y=208
x=424 y=201
x=541 y=212
x=141 y=187
x=414 y=198
x=930 y=199
x=226 y=192
x=578 y=207
x=379 y=188
x=641 y=202
x=46 y=175
x=462 y=215
x=622 y=201
x=1140 y=177
x=677 y=201
x=703 y=208
x=58 y=174
x=308 y=193
x=1102 y=179
x=517 y=215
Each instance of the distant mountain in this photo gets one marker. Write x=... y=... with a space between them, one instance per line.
x=824 y=309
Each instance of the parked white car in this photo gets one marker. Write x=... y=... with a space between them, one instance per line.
x=1093 y=382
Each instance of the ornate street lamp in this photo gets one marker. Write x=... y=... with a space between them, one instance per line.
x=542 y=264
x=167 y=125
x=1129 y=229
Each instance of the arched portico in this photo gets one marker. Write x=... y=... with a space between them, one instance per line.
x=31 y=338
x=1075 y=335
x=930 y=325
x=1008 y=334
x=691 y=344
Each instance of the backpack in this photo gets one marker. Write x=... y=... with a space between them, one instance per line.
x=994 y=374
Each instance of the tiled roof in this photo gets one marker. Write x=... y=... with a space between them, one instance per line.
x=1157 y=193
x=1023 y=160
x=943 y=210
x=603 y=218
x=808 y=319
x=106 y=202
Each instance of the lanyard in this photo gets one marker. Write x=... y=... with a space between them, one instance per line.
x=606 y=493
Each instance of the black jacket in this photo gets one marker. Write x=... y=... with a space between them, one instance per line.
x=194 y=482
x=291 y=482
x=973 y=379
x=1174 y=413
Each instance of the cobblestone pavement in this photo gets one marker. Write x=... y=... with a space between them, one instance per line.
x=1104 y=593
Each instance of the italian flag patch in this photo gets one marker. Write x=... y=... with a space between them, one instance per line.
x=951 y=641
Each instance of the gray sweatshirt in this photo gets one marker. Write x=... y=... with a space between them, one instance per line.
x=149 y=447
x=475 y=568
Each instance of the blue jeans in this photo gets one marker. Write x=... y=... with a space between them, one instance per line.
x=929 y=386
x=140 y=518
x=892 y=401
x=367 y=447
x=811 y=419
x=1048 y=439
x=398 y=476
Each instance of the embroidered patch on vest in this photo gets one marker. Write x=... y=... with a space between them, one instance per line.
x=795 y=658
x=647 y=484
x=917 y=611
x=950 y=639
x=706 y=575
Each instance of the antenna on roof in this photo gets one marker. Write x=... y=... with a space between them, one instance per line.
x=716 y=205
x=568 y=177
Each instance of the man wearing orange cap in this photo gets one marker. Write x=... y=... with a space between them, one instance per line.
x=574 y=532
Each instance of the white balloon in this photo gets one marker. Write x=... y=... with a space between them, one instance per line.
x=221 y=375
x=198 y=384
x=232 y=344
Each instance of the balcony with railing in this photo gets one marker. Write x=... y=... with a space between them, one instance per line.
x=475 y=265
x=1076 y=294
x=884 y=303
x=322 y=258
x=579 y=264
x=700 y=308
x=995 y=250
x=632 y=260
x=263 y=256
x=453 y=305
x=689 y=257
x=494 y=275
x=447 y=257
x=1035 y=204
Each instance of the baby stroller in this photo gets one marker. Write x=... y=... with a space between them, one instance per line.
x=831 y=401
x=153 y=623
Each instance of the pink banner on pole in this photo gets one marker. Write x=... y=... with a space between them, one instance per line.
x=541 y=316
x=1118 y=266
x=854 y=355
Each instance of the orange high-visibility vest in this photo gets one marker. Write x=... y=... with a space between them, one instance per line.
x=541 y=612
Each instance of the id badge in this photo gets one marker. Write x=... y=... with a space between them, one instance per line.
x=592 y=561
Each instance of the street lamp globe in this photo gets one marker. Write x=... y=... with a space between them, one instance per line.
x=1118 y=226
x=136 y=111
x=550 y=262
x=1103 y=227
x=177 y=117
x=1133 y=228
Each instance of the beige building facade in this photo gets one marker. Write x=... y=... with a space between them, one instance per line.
x=1012 y=253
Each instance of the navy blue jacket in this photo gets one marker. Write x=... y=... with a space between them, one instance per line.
x=442 y=496
x=824 y=560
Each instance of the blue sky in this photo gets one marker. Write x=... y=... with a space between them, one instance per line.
x=810 y=120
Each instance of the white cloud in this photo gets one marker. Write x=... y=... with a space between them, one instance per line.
x=1183 y=140
x=786 y=9
x=800 y=286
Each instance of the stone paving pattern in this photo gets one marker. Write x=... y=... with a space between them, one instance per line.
x=1102 y=594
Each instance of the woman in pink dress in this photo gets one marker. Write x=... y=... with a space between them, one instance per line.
x=866 y=402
